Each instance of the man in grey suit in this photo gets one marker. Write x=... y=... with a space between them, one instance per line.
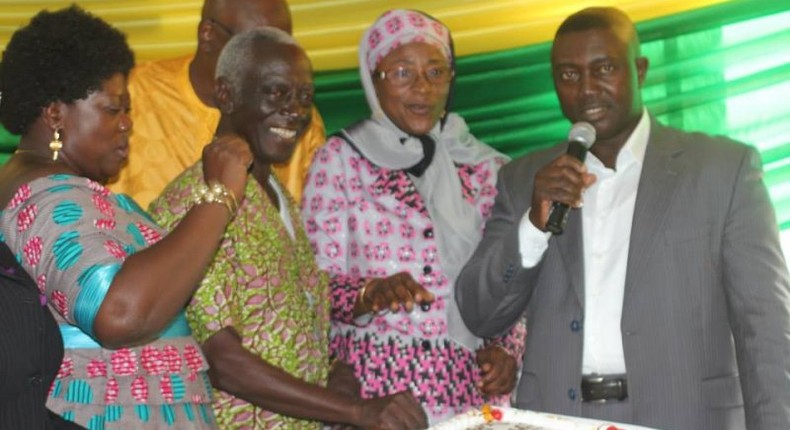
x=666 y=301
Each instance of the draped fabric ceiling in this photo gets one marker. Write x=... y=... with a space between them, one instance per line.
x=330 y=29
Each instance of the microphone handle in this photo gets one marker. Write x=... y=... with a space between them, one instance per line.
x=558 y=214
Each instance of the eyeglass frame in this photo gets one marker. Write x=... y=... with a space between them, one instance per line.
x=382 y=75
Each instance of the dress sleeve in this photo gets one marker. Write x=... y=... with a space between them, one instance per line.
x=326 y=213
x=72 y=235
x=209 y=310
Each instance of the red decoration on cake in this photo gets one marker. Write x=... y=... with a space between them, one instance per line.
x=491 y=414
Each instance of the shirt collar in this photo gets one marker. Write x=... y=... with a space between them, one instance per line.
x=636 y=145
x=633 y=151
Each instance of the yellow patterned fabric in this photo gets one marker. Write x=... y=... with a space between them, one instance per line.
x=172 y=125
x=266 y=286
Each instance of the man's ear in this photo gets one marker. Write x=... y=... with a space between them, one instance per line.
x=207 y=36
x=223 y=95
x=641 y=69
x=53 y=115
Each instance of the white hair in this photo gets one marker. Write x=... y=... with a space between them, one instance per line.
x=238 y=52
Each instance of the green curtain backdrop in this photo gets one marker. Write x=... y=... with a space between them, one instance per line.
x=723 y=69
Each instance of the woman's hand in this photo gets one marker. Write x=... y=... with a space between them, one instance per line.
x=392 y=292
x=226 y=160
x=498 y=370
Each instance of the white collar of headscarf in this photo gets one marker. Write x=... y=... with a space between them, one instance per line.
x=457 y=223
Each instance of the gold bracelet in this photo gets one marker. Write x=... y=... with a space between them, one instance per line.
x=333 y=364
x=361 y=295
x=215 y=192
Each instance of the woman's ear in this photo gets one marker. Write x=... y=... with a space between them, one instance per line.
x=223 y=95
x=53 y=115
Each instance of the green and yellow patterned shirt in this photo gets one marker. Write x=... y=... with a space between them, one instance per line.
x=265 y=285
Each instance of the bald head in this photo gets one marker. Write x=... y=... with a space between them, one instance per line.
x=242 y=15
x=607 y=18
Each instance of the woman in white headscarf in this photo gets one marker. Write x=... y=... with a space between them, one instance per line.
x=394 y=206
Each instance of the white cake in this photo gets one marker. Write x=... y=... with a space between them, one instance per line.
x=515 y=419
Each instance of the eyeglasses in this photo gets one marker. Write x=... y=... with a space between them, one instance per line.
x=402 y=76
x=221 y=26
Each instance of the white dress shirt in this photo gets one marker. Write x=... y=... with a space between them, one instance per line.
x=283 y=203
x=606 y=222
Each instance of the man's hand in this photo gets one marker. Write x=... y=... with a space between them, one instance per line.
x=563 y=180
x=343 y=381
x=497 y=371
x=399 y=411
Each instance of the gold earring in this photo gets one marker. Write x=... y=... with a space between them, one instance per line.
x=55 y=145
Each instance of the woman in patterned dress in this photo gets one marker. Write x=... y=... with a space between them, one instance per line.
x=262 y=311
x=116 y=285
x=394 y=206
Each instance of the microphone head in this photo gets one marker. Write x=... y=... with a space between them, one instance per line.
x=582 y=132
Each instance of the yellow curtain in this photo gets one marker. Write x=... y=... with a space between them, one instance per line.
x=330 y=30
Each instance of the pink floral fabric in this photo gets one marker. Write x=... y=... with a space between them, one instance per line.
x=365 y=221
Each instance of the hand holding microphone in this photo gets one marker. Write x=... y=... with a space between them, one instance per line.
x=559 y=185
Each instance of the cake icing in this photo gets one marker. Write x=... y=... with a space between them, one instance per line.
x=515 y=419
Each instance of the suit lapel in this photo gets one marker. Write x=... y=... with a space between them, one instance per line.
x=661 y=172
x=571 y=248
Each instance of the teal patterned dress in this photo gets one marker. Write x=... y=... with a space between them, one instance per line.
x=72 y=235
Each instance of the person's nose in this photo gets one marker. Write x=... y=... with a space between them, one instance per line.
x=421 y=82
x=125 y=123
x=588 y=84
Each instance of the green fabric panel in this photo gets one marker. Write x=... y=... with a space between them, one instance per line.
x=8 y=143
x=721 y=70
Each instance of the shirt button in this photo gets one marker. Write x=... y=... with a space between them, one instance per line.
x=572 y=394
x=576 y=325
x=428 y=233
x=427 y=270
x=35 y=380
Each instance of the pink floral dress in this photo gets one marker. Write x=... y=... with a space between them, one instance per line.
x=365 y=221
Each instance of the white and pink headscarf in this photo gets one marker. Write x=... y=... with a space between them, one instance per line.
x=391 y=30
x=399 y=27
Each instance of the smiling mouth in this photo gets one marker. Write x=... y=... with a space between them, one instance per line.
x=420 y=109
x=593 y=113
x=283 y=132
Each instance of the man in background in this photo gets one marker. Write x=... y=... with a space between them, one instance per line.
x=174 y=111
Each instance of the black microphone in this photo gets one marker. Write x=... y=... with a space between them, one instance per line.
x=580 y=139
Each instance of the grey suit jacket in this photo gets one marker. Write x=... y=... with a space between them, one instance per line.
x=706 y=312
